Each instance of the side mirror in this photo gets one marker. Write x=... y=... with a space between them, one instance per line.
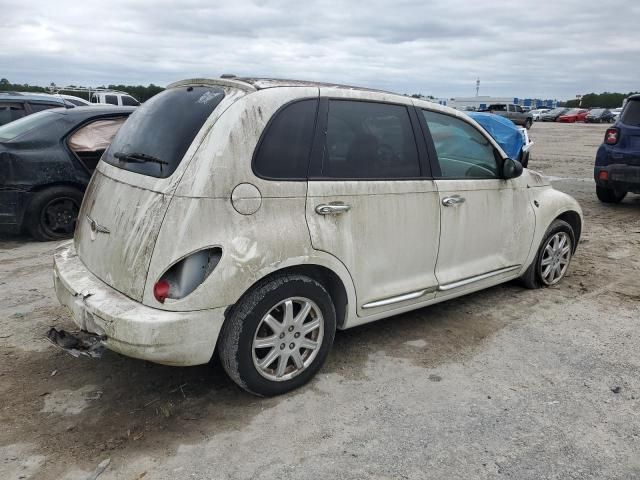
x=511 y=168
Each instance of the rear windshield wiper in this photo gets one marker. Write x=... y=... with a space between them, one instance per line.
x=139 y=158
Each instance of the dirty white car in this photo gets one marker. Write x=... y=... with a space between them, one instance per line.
x=255 y=217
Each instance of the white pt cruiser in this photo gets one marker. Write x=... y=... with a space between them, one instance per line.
x=254 y=217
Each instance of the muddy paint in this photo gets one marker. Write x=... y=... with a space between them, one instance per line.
x=387 y=245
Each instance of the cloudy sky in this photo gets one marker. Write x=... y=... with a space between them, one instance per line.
x=541 y=48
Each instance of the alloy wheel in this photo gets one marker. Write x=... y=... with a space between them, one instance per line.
x=288 y=339
x=556 y=256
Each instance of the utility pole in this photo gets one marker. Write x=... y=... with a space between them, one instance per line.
x=477 y=86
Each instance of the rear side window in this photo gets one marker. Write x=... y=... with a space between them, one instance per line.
x=10 y=112
x=367 y=140
x=112 y=99
x=129 y=101
x=285 y=147
x=23 y=125
x=631 y=113
x=157 y=135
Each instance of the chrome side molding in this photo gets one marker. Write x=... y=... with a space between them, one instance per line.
x=399 y=298
x=477 y=278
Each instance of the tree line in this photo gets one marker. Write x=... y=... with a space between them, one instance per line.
x=604 y=100
x=140 y=92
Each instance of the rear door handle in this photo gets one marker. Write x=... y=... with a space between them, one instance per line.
x=332 y=208
x=452 y=200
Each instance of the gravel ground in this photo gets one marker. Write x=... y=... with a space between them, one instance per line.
x=504 y=383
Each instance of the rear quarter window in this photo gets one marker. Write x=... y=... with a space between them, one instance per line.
x=283 y=152
x=156 y=136
x=129 y=101
x=112 y=99
x=631 y=113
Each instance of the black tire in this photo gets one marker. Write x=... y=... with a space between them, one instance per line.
x=235 y=345
x=532 y=278
x=528 y=123
x=609 y=195
x=524 y=159
x=52 y=213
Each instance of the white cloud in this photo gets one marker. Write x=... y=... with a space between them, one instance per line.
x=545 y=48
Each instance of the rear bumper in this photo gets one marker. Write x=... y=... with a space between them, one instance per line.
x=131 y=328
x=619 y=177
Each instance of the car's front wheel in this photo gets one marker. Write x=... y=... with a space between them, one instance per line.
x=609 y=195
x=278 y=335
x=553 y=257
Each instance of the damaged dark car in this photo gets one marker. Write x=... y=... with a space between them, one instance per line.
x=46 y=162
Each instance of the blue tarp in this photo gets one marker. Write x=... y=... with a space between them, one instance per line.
x=503 y=130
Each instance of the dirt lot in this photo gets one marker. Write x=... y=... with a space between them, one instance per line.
x=505 y=383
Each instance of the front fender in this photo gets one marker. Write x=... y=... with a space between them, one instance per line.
x=549 y=204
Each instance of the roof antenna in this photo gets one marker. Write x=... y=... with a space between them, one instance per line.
x=477 y=86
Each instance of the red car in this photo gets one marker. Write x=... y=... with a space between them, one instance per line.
x=574 y=115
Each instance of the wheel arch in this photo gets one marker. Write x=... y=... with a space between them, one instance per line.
x=329 y=279
x=572 y=218
x=45 y=186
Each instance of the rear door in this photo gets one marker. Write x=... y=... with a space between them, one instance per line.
x=487 y=223
x=371 y=204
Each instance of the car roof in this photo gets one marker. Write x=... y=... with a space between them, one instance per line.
x=634 y=97
x=30 y=96
x=261 y=83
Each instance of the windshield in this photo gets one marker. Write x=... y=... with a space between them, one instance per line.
x=596 y=111
x=631 y=113
x=158 y=134
x=572 y=111
x=21 y=126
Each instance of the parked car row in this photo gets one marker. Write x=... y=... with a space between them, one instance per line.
x=572 y=115
x=15 y=105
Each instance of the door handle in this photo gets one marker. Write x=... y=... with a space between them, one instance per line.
x=332 y=208
x=453 y=200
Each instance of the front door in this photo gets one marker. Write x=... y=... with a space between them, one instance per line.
x=370 y=206
x=487 y=223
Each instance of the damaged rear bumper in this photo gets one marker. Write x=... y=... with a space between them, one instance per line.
x=129 y=327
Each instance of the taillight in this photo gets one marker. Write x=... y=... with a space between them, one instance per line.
x=184 y=276
x=161 y=290
x=612 y=135
x=603 y=175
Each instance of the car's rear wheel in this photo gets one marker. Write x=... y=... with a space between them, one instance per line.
x=278 y=335
x=609 y=195
x=52 y=213
x=553 y=257
x=527 y=124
